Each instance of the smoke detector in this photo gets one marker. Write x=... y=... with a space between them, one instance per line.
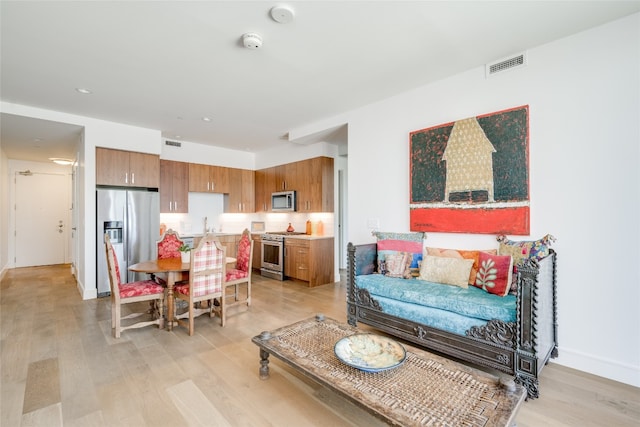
x=252 y=40
x=282 y=14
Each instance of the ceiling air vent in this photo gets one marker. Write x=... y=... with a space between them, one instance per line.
x=173 y=143
x=516 y=61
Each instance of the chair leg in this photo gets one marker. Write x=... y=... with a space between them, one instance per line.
x=161 y=313
x=248 y=293
x=113 y=314
x=191 y=316
x=117 y=325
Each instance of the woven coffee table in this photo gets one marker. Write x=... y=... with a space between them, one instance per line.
x=424 y=390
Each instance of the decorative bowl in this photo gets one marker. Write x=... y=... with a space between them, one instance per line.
x=370 y=352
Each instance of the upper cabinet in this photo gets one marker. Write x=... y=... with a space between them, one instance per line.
x=314 y=185
x=241 y=191
x=285 y=177
x=263 y=191
x=127 y=168
x=208 y=179
x=174 y=187
x=311 y=179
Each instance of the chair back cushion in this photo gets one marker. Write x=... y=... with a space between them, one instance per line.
x=207 y=269
x=168 y=246
x=244 y=253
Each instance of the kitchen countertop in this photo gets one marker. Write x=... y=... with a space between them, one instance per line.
x=293 y=236
x=308 y=237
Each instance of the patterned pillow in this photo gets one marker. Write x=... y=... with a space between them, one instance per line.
x=450 y=271
x=462 y=254
x=398 y=265
x=494 y=274
x=536 y=249
x=393 y=243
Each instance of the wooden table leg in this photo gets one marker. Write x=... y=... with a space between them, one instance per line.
x=264 y=364
x=170 y=283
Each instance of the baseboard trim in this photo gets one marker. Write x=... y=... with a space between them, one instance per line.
x=600 y=366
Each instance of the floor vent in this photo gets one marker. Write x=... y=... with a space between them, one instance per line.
x=174 y=143
x=509 y=63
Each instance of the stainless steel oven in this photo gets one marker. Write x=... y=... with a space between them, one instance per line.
x=272 y=263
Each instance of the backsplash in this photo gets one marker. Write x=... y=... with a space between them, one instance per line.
x=211 y=206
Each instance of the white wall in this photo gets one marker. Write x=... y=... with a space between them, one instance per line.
x=4 y=212
x=584 y=97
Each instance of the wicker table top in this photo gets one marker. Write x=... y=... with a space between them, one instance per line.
x=425 y=390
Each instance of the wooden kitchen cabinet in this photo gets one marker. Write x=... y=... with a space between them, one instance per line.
x=264 y=186
x=286 y=177
x=309 y=260
x=208 y=178
x=296 y=259
x=174 y=187
x=256 y=263
x=127 y=168
x=230 y=242
x=315 y=185
x=311 y=179
x=241 y=191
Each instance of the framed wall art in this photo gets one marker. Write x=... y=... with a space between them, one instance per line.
x=472 y=175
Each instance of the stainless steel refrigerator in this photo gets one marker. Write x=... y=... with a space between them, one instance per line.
x=132 y=220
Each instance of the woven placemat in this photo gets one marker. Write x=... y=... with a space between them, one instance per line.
x=421 y=391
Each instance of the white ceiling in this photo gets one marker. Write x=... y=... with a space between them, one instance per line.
x=165 y=65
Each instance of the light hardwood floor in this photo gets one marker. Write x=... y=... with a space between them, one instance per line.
x=62 y=366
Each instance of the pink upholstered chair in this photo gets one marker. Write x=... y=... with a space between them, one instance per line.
x=239 y=275
x=206 y=277
x=167 y=248
x=168 y=245
x=126 y=293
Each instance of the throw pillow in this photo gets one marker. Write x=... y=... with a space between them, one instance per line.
x=461 y=254
x=394 y=243
x=494 y=274
x=450 y=271
x=535 y=249
x=399 y=265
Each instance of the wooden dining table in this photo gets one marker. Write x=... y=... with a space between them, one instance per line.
x=176 y=271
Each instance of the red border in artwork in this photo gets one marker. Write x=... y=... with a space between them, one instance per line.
x=502 y=220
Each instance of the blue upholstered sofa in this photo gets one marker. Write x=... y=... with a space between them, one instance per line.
x=515 y=334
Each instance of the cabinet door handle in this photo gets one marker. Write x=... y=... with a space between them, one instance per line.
x=126 y=177
x=133 y=178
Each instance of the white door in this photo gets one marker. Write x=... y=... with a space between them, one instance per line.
x=41 y=219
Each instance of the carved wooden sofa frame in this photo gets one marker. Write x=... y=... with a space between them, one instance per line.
x=518 y=348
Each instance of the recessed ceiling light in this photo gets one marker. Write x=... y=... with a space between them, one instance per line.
x=83 y=91
x=206 y=119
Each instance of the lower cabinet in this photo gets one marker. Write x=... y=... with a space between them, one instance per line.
x=257 y=251
x=309 y=260
x=230 y=242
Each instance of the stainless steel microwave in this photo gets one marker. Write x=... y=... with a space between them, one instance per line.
x=283 y=201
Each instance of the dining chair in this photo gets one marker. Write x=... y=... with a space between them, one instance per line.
x=167 y=248
x=239 y=275
x=206 y=277
x=127 y=293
